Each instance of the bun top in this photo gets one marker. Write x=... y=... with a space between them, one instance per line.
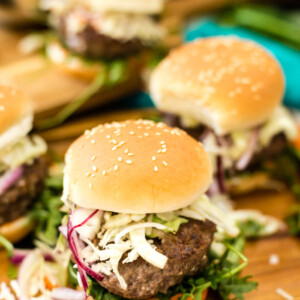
x=223 y=82
x=16 y=114
x=136 y=167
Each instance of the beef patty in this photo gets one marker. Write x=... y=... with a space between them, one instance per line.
x=92 y=44
x=186 y=252
x=15 y=201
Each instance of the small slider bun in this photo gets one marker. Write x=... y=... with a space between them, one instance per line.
x=136 y=167
x=223 y=82
x=16 y=114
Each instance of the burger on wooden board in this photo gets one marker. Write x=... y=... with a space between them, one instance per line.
x=139 y=223
x=227 y=92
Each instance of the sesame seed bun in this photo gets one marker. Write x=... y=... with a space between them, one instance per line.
x=223 y=82
x=16 y=114
x=136 y=167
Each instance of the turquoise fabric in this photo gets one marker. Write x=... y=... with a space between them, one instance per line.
x=287 y=56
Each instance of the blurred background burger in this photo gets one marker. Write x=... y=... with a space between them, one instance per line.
x=22 y=166
x=227 y=93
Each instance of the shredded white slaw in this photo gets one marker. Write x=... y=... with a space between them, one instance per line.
x=131 y=234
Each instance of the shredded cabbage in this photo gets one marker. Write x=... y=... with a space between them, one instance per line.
x=120 y=220
x=91 y=227
x=138 y=226
x=172 y=224
x=24 y=151
x=281 y=121
x=203 y=208
x=145 y=250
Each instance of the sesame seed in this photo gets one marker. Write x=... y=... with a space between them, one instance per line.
x=93 y=175
x=116 y=167
x=131 y=132
x=155 y=168
x=164 y=163
x=114 y=141
x=108 y=136
x=146 y=134
x=103 y=172
x=140 y=137
x=130 y=154
x=126 y=151
x=114 y=148
x=94 y=168
x=119 y=158
x=158 y=133
x=164 y=150
x=87 y=132
x=128 y=162
x=1 y=108
x=159 y=151
x=87 y=174
x=93 y=158
x=153 y=157
x=93 y=141
x=164 y=146
x=162 y=142
x=90 y=185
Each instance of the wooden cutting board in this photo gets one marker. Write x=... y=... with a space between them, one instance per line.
x=285 y=275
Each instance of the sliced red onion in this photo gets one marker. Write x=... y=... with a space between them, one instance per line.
x=62 y=293
x=74 y=244
x=10 y=178
x=245 y=159
x=205 y=134
x=63 y=230
x=20 y=254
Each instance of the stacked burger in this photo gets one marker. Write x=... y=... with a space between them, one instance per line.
x=227 y=93
x=102 y=30
x=139 y=222
x=22 y=167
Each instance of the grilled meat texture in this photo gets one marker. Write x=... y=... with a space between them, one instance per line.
x=16 y=200
x=186 y=252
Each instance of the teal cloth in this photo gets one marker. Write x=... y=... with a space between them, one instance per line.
x=288 y=57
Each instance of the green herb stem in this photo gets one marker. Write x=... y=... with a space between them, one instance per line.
x=7 y=245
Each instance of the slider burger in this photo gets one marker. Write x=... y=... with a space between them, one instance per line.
x=139 y=222
x=227 y=93
x=22 y=168
x=102 y=30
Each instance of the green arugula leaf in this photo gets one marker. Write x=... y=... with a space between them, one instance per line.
x=250 y=228
x=46 y=211
x=236 y=286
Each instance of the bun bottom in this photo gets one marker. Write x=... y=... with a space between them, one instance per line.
x=18 y=229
